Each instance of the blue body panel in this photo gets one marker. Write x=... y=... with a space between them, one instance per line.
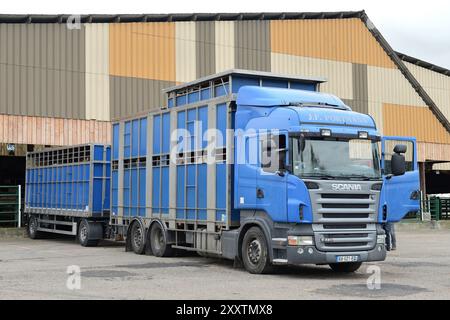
x=134 y=166
x=78 y=184
x=396 y=191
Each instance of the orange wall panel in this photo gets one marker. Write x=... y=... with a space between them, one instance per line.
x=142 y=50
x=418 y=122
x=332 y=39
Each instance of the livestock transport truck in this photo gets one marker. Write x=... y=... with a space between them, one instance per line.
x=255 y=167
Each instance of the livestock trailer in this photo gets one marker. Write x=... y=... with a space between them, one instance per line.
x=68 y=191
x=163 y=184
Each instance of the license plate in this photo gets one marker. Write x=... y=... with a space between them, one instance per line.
x=346 y=258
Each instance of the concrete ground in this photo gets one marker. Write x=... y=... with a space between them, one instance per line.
x=37 y=269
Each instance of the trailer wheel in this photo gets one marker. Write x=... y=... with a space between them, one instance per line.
x=158 y=242
x=255 y=252
x=32 y=229
x=137 y=238
x=83 y=235
x=346 y=267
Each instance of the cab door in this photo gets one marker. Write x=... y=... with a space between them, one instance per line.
x=400 y=194
x=271 y=180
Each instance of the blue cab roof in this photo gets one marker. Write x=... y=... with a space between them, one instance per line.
x=269 y=97
x=312 y=108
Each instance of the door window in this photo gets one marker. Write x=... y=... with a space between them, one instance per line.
x=273 y=152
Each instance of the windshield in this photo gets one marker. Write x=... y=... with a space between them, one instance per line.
x=335 y=158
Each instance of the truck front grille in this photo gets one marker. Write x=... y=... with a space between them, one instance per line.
x=345 y=208
x=344 y=220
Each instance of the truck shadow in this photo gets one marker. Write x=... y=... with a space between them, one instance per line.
x=67 y=239
x=318 y=272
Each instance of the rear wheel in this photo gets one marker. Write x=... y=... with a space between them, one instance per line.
x=255 y=252
x=346 y=267
x=83 y=235
x=158 y=242
x=137 y=238
x=32 y=229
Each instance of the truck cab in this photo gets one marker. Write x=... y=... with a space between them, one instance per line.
x=317 y=179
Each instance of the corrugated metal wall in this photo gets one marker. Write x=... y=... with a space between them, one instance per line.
x=142 y=50
x=433 y=151
x=337 y=74
x=345 y=40
x=205 y=48
x=142 y=62
x=97 y=71
x=185 y=51
x=129 y=96
x=108 y=71
x=436 y=84
x=52 y=131
x=224 y=47
x=252 y=43
x=413 y=121
x=42 y=70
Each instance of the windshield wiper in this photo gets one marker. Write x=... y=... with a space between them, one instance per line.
x=359 y=177
x=319 y=176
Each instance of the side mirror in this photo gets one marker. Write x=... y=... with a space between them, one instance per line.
x=400 y=148
x=398 y=164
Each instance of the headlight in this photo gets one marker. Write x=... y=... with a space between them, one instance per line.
x=381 y=239
x=325 y=132
x=363 y=135
x=300 y=240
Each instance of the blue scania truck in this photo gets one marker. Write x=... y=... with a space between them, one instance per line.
x=259 y=168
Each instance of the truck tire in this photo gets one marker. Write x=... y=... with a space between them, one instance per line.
x=137 y=238
x=255 y=252
x=158 y=242
x=83 y=235
x=33 y=223
x=346 y=267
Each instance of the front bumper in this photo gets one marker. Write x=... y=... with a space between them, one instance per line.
x=297 y=255
x=312 y=254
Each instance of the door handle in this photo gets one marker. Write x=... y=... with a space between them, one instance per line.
x=259 y=193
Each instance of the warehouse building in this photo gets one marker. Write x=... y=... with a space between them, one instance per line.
x=63 y=83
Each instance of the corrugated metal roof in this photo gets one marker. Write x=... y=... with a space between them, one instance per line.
x=404 y=69
x=423 y=64
x=112 y=18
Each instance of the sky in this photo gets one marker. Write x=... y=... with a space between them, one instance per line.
x=418 y=28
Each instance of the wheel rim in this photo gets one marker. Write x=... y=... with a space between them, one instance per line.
x=83 y=233
x=137 y=236
x=254 y=251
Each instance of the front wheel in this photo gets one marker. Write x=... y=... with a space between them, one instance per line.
x=32 y=229
x=346 y=267
x=255 y=252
